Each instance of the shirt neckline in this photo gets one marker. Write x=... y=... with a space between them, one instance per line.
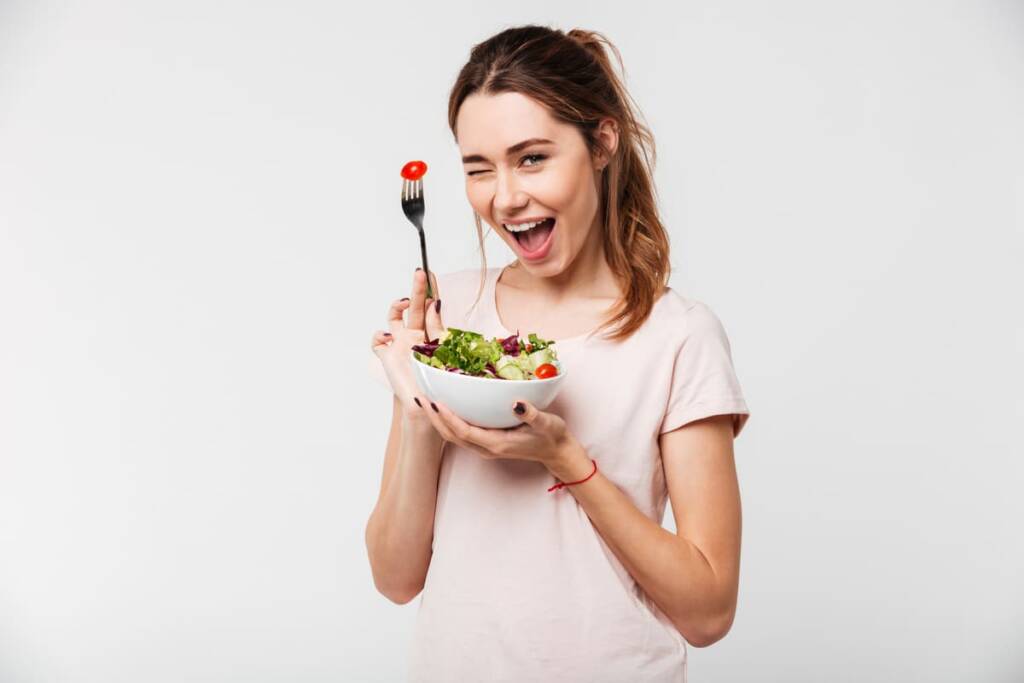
x=492 y=300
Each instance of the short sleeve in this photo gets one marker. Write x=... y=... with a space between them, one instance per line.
x=704 y=382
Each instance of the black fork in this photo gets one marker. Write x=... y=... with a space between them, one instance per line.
x=412 y=205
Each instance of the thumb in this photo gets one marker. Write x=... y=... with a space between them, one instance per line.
x=529 y=413
x=433 y=323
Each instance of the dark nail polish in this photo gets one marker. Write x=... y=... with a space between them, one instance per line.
x=437 y=306
x=419 y=269
x=417 y=401
x=520 y=408
x=405 y=298
x=434 y=406
x=387 y=334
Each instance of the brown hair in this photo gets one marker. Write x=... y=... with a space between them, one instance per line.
x=571 y=74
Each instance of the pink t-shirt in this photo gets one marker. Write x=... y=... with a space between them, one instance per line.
x=521 y=586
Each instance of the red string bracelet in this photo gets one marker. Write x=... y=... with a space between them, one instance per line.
x=561 y=484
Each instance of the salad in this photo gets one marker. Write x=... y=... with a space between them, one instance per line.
x=469 y=353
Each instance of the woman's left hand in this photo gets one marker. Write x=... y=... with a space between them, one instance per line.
x=541 y=436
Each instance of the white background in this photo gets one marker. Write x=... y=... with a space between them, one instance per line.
x=200 y=231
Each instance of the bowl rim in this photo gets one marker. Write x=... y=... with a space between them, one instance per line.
x=447 y=373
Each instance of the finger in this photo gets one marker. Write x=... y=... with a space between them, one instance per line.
x=381 y=339
x=444 y=429
x=395 y=312
x=435 y=419
x=479 y=438
x=419 y=295
x=435 y=325
x=428 y=306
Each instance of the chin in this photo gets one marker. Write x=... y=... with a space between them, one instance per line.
x=549 y=268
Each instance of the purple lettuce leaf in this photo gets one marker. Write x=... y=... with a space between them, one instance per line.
x=510 y=344
x=428 y=348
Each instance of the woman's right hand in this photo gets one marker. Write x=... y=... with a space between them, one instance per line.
x=394 y=345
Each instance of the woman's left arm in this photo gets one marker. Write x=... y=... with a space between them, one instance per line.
x=692 y=575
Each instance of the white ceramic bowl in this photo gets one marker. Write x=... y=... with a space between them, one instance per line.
x=483 y=401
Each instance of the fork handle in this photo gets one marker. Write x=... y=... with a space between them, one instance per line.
x=423 y=252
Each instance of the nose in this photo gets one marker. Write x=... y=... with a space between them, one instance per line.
x=508 y=196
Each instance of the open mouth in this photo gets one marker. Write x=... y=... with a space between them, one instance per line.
x=531 y=240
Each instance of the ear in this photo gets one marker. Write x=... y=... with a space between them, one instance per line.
x=608 y=135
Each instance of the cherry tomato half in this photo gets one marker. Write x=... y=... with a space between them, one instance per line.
x=546 y=370
x=414 y=170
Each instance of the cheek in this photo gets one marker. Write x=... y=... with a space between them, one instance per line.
x=477 y=197
x=573 y=194
x=556 y=191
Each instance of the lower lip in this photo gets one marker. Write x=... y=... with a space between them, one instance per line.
x=542 y=250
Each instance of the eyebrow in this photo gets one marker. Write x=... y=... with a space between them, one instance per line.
x=511 y=150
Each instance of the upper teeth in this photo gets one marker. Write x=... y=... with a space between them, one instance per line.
x=524 y=226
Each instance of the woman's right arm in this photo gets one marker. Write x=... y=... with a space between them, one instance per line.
x=400 y=531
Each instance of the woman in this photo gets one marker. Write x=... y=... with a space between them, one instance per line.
x=581 y=583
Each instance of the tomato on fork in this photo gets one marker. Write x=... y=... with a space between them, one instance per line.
x=414 y=170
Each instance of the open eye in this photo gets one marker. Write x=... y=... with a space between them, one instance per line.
x=538 y=157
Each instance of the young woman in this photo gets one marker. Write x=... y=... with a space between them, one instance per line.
x=580 y=583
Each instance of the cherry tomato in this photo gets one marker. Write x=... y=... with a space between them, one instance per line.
x=414 y=170
x=546 y=370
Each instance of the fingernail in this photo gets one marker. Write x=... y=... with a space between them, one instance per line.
x=417 y=401
x=520 y=408
x=434 y=406
x=404 y=298
x=419 y=269
x=437 y=306
x=387 y=334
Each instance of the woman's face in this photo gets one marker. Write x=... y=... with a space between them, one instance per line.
x=513 y=184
